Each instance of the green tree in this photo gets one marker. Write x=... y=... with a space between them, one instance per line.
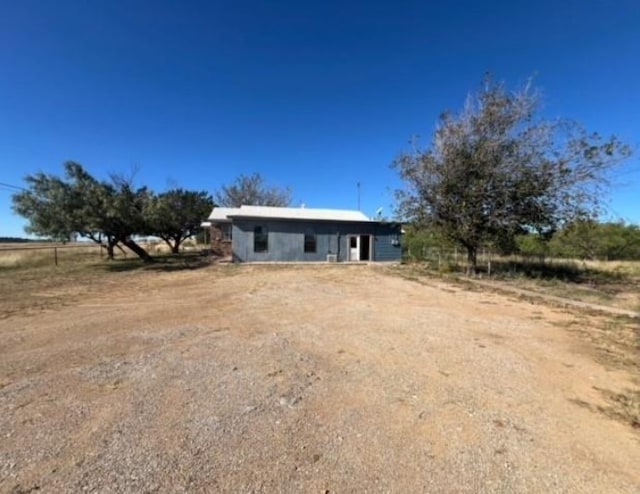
x=533 y=245
x=252 y=190
x=421 y=242
x=589 y=239
x=495 y=170
x=619 y=241
x=176 y=215
x=106 y=212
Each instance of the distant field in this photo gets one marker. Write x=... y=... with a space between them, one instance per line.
x=29 y=255
x=45 y=254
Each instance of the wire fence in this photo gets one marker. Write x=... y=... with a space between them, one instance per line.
x=49 y=254
x=490 y=263
x=54 y=254
x=448 y=259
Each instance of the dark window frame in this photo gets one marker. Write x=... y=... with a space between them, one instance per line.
x=226 y=229
x=310 y=242
x=260 y=239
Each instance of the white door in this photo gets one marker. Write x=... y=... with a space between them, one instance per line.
x=354 y=248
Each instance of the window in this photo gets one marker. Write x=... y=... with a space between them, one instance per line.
x=226 y=231
x=309 y=242
x=260 y=239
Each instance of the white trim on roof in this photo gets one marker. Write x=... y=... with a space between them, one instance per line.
x=298 y=214
x=221 y=214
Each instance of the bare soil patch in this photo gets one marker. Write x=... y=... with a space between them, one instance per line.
x=304 y=379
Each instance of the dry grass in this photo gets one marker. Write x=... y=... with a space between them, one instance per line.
x=629 y=268
x=614 y=340
x=612 y=283
x=159 y=247
x=37 y=255
x=624 y=406
x=42 y=255
x=30 y=282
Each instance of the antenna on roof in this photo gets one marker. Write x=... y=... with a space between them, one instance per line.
x=358 y=184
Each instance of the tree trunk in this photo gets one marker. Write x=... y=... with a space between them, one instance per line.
x=109 y=247
x=167 y=241
x=175 y=246
x=110 y=254
x=139 y=251
x=112 y=243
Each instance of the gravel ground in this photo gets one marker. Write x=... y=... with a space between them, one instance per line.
x=303 y=379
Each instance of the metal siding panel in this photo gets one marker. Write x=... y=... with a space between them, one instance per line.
x=384 y=250
x=239 y=238
x=286 y=240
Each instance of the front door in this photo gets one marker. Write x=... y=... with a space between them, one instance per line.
x=359 y=247
x=365 y=248
x=354 y=248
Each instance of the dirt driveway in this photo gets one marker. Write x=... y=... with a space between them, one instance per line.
x=301 y=379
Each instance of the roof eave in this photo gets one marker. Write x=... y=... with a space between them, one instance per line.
x=326 y=220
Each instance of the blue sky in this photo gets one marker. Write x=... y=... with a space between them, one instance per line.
x=318 y=96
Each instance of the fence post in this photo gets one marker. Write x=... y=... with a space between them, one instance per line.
x=55 y=255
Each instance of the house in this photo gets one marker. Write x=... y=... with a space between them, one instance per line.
x=275 y=234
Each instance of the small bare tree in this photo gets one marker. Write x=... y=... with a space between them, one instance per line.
x=252 y=191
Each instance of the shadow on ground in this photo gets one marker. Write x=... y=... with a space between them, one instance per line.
x=565 y=271
x=162 y=263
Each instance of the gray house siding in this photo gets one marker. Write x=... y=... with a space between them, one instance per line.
x=286 y=240
x=386 y=245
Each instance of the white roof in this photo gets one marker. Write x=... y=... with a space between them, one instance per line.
x=299 y=213
x=226 y=214
x=221 y=214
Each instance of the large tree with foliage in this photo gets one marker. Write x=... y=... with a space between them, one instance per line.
x=176 y=215
x=252 y=190
x=107 y=212
x=496 y=169
x=590 y=239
